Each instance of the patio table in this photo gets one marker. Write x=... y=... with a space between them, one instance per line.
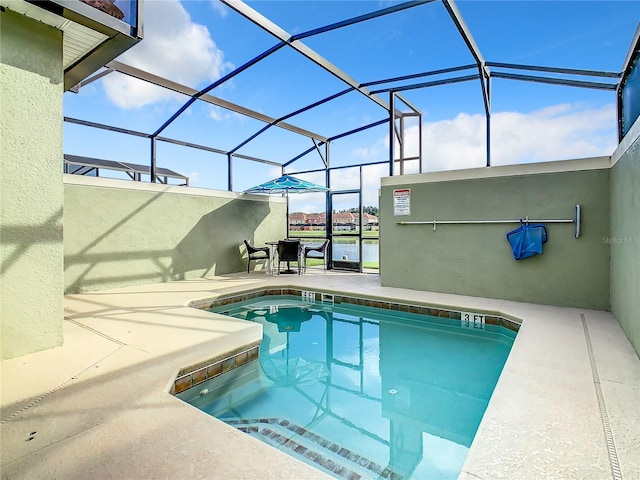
x=274 y=250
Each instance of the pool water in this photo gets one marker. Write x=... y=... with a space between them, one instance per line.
x=360 y=392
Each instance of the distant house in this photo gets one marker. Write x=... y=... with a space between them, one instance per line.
x=343 y=221
x=370 y=222
x=296 y=220
x=307 y=221
x=316 y=221
x=349 y=221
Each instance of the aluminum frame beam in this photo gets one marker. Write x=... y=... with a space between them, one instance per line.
x=183 y=89
x=415 y=109
x=435 y=83
x=336 y=137
x=289 y=115
x=484 y=71
x=103 y=126
x=340 y=167
x=555 y=81
x=635 y=45
x=270 y=27
x=325 y=156
x=366 y=84
x=568 y=71
x=361 y=18
x=136 y=133
x=626 y=70
x=419 y=75
x=396 y=133
x=294 y=41
x=76 y=88
x=220 y=81
x=283 y=36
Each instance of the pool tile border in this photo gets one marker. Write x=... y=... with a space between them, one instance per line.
x=212 y=367
x=512 y=324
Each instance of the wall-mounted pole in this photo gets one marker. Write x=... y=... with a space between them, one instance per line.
x=576 y=220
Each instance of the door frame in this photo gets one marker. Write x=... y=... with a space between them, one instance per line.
x=340 y=264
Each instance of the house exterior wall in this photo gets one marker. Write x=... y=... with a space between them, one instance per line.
x=624 y=241
x=476 y=259
x=120 y=233
x=31 y=192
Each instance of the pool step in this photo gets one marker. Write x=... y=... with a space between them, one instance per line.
x=313 y=449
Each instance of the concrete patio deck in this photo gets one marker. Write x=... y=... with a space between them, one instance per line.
x=567 y=404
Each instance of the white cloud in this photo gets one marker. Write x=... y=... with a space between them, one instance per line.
x=219 y=114
x=173 y=47
x=307 y=202
x=554 y=133
x=220 y=7
x=371 y=152
x=558 y=132
x=194 y=178
x=349 y=178
x=362 y=152
x=216 y=113
x=306 y=207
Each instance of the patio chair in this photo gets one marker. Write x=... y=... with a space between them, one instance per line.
x=257 y=253
x=316 y=251
x=289 y=251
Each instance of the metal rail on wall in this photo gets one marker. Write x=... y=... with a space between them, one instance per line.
x=575 y=220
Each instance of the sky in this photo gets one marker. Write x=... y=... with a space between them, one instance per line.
x=196 y=42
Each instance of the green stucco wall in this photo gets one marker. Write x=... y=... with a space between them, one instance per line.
x=625 y=241
x=31 y=251
x=120 y=233
x=476 y=259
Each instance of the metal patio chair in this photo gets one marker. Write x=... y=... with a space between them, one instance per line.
x=289 y=251
x=316 y=251
x=257 y=253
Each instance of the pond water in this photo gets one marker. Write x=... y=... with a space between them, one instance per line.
x=349 y=247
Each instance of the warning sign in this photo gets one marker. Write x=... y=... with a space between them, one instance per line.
x=402 y=202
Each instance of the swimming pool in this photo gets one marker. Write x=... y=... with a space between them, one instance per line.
x=358 y=391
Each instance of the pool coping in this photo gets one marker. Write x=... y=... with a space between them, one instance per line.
x=543 y=421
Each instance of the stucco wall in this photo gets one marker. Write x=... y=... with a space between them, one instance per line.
x=625 y=237
x=31 y=251
x=476 y=259
x=121 y=233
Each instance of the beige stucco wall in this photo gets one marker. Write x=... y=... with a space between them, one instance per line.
x=476 y=259
x=119 y=232
x=31 y=252
x=625 y=236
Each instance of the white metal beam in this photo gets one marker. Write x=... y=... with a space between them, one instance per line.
x=270 y=27
x=177 y=87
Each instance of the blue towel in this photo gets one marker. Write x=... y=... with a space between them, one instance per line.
x=527 y=240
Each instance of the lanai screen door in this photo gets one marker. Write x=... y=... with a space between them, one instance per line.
x=346 y=242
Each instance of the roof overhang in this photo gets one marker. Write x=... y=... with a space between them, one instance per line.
x=91 y=37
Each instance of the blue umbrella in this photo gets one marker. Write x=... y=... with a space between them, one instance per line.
x=287 y=184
